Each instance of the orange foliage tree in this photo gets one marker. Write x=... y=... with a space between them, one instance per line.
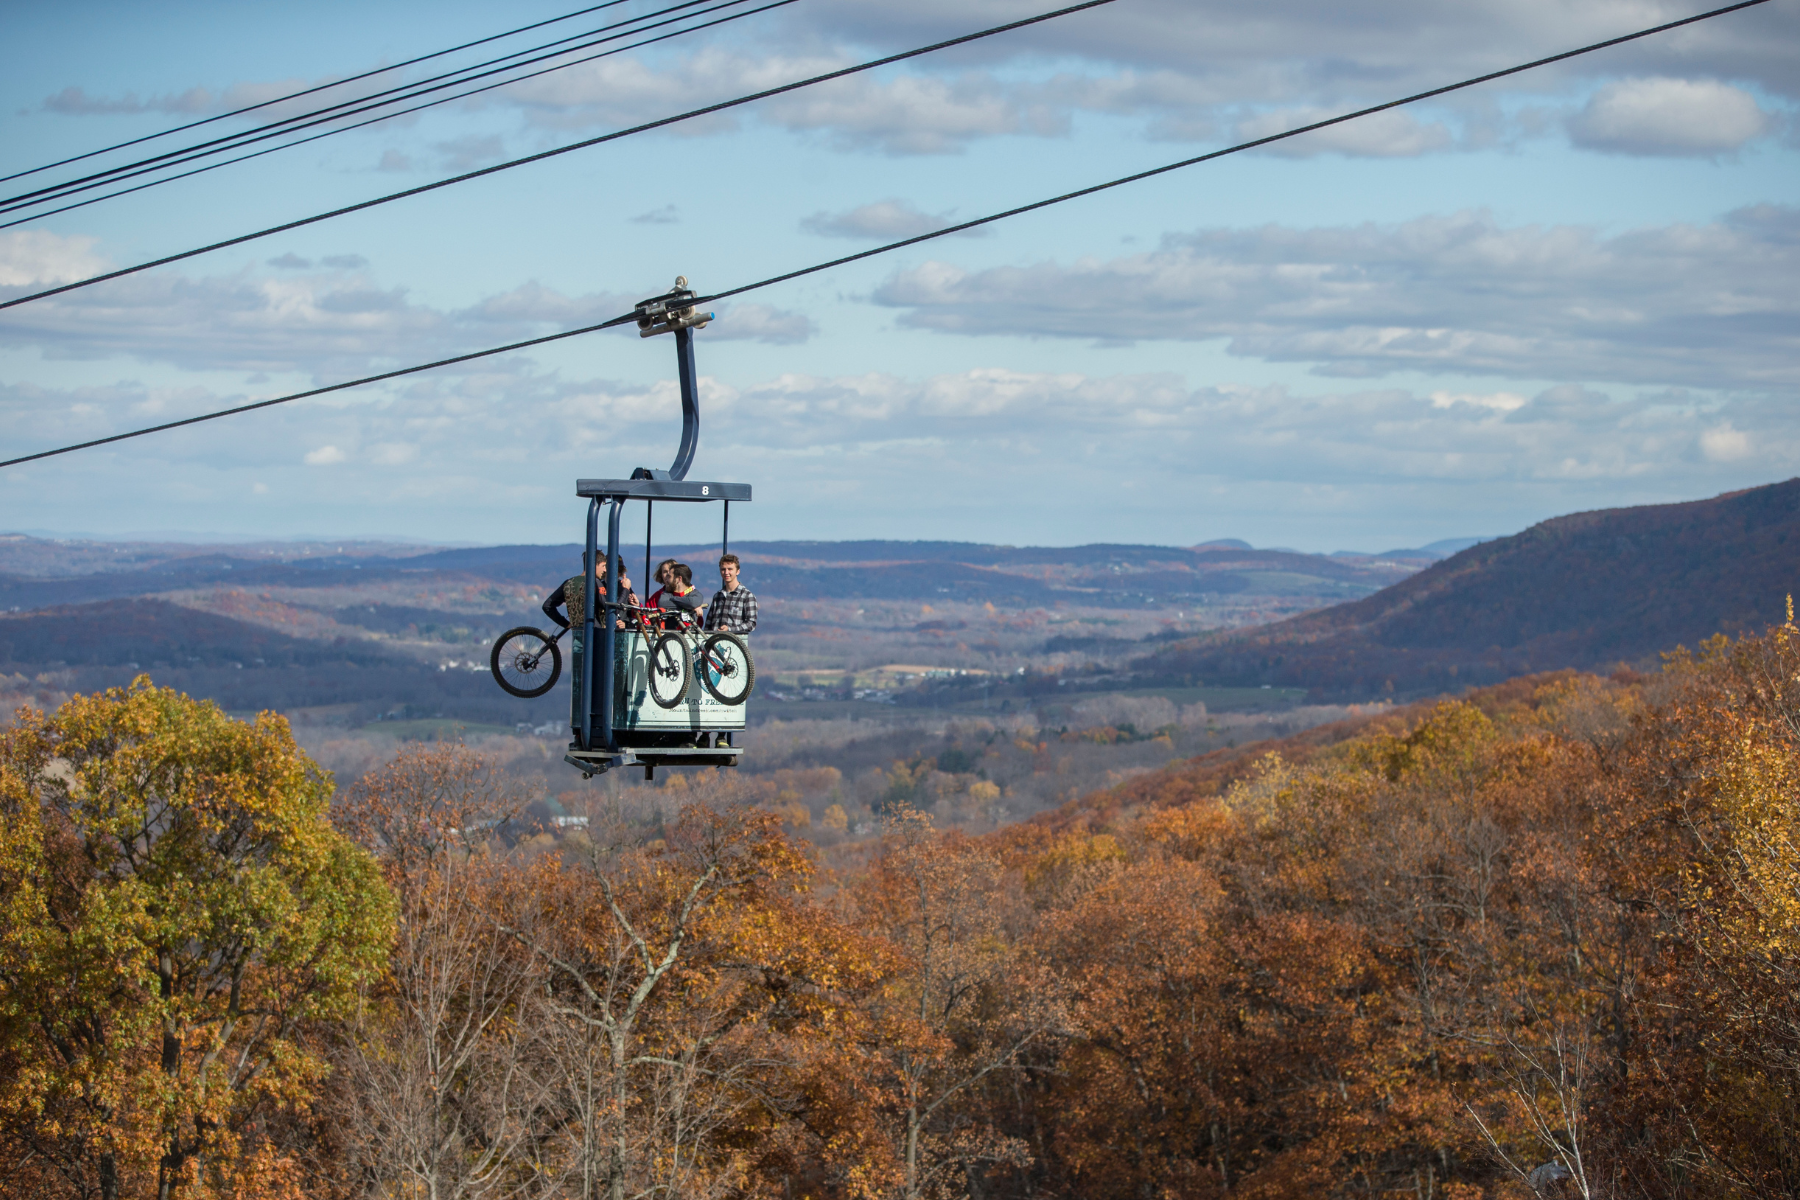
x=1539 y=940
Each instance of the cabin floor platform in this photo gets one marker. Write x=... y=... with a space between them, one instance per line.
x=598 y=762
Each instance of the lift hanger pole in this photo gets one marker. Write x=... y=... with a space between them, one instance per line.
x=690 y=404
x=584 y=734
x=674 y=312
x=609 y=627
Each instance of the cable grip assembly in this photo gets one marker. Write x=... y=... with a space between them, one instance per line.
x=670 y=311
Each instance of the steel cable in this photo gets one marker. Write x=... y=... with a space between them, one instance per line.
x=403 y=112
x=904 y=242
x=397 y=95
x=238 y=112
x=542 y=155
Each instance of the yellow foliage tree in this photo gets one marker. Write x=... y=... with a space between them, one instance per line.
x=174 y=907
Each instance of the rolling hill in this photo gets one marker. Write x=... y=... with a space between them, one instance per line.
x=1587 y=590
x=379 y=628
x=30 y=577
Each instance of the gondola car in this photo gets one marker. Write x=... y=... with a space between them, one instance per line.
x=657 y=692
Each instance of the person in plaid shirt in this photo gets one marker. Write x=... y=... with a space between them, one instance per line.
x=733 y=607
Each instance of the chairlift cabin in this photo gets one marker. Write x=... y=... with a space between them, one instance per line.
x=657 y=692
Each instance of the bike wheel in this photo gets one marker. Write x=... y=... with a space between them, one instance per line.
x=671 y=670
x=526 y=662
x=726 y=669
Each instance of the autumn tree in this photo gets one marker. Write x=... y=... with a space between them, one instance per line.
x=444 y=1080
x=967 y=1006
x=1705 y=839
x=694 y=989
x=175 y=907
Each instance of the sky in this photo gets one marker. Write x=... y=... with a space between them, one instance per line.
x=1567 y=290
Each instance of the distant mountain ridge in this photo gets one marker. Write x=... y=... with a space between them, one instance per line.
x=1587 y=590
x=1017 y=576
x=383 y=628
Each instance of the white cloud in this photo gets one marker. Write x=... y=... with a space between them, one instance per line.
x=761 y=323
x=1391 y=134
x=1498 y=401
x=883 y=220
x=914 y=114
x=1695 y=117
x=74 y=101
x=907 y=114
x=331 y=323
x=1725 y=444
x=1282 y=49
x=203 y=101
x=36 y=257
x=968 y=453
x=1708 y=306
x=1147 y=427
x=1188 y=67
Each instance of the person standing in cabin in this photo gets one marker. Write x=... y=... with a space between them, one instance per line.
x=733 y=607
x=680 y=596
x=573 y=594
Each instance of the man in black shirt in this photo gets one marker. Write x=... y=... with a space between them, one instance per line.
x=572 y=594
x=680 y=596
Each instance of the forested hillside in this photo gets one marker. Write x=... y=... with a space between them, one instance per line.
x=1541 y=940
x=1587 y=590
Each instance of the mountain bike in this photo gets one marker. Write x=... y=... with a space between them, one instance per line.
x=518 y=661
x=679 y=650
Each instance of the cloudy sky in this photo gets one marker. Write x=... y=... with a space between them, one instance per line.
x=1572 y=289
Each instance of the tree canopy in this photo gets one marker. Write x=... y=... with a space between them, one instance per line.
x=177 y=911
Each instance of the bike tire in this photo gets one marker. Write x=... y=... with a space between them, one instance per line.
x=518 y=662
x=670 y=670
x=735 y=674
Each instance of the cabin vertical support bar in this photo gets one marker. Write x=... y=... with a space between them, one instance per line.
x=609 y=627
x=585 y=734
x=690 y=404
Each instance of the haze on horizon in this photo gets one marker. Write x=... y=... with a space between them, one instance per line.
x=1568 y=291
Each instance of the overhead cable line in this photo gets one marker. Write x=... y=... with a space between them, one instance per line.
x=403 y=112
x=26 y=220
x=398 y=94
x=904 y=242
x=539 y=157
x=238 y=112
x=369 y=103
x=1208 y=157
